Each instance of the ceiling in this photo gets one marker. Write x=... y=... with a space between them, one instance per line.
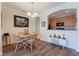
x=27 y=6
x=63 y=12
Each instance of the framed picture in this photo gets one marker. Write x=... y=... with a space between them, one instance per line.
x=43 y=24
x=21 y=21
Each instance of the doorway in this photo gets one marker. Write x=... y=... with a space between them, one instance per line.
x=37 y=26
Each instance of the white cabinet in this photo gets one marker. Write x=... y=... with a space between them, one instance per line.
x=60 y=42
x=55 y=41
x=70 y=35
x=71 y=40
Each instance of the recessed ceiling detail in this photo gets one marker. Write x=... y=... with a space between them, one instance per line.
x=62 y=13
x=27 y=7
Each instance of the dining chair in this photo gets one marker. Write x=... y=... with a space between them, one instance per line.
x=20 y=42
x=30 y=42
x=34 y=39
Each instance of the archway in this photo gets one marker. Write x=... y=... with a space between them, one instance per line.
x=64 y=19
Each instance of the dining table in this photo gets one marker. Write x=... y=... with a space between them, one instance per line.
x=24 y=39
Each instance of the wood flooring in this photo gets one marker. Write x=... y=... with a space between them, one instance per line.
x=44 y=49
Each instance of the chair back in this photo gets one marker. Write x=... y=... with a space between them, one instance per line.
x=19 y=39
x=34 y=36
x=29 y=39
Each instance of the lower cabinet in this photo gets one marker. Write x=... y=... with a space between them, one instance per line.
x=70 y=40
x=57 y=41
x=62 y=42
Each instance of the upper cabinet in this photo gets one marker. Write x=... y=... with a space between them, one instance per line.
x=64 y=19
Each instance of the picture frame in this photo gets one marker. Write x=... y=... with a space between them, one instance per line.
x=20 y=21
x=43 y=24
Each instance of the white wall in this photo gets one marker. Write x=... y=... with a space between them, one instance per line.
x=32 y=24
x=8 y=21
x=37 y=26
x=0 y=33
x=78 y=26
x=71 y=35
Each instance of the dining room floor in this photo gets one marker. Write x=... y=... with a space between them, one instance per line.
x=43 y=49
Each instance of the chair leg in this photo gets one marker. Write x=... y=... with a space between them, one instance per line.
x=36 y=44
x=31 y=47
x=24 y=45
x=16 y=48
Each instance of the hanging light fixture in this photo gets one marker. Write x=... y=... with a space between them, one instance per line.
x=29 y=14
x=35 y=14
x=32 y=14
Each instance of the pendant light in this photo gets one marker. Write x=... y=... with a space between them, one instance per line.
x=32 y=14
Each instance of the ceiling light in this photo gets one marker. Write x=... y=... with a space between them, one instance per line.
x=32 y=16
x=35 y=14
x=29 y=14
